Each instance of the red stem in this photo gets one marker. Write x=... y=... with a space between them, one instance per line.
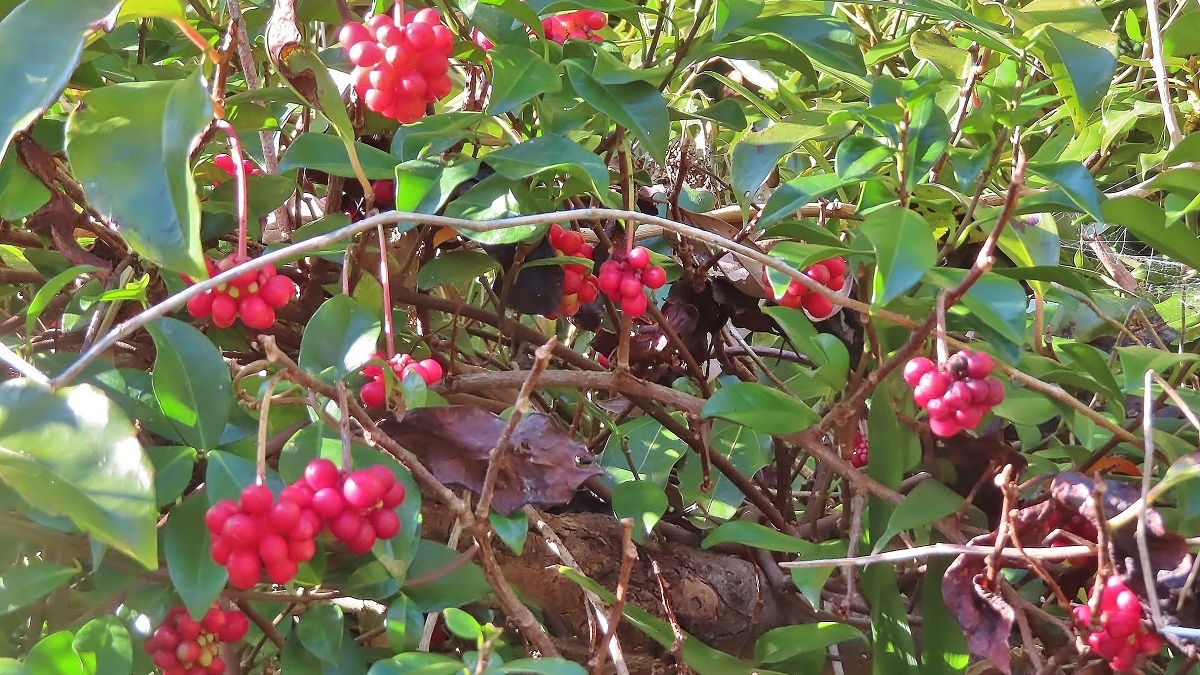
x=243 y=197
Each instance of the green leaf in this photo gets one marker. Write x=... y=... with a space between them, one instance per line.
x=74 y=454
x=761 y=408
x=823 y=39
x=1076 y=181
x=642 y=449
x=547 y=153
x=455 y=589
x=455 y=267
x=404 y=625
x=322 y=152
x=904 y=249
x=1148 y=222
x=462 y=624
x=928 y=502
x=55 y=655
x=518 y=75
x=999 y=302
x=50 y=290
x=129 y=146
x=321 y=631
x=859 y=156
x=783 y=643
x=512 y=530
x=341 y=336
x=196 y=576
x=22 y=584
x=1136 y=360
x=432 y=135
x=643 y=502
x=542 y=666
x=228 y=473
x=104 y=646
x=1081 y=70
x=787 y=199
x=943 y=647
x=732 y=14
x=894 y=652
x=21 y=193
x=418 y=663
x=54 y=30
x=755 y=536
x=637 y=106
x=192 y=382
x=173 y=467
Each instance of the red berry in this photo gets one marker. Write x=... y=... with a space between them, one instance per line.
x=225 y=163
x=363 y=541
x=273 y=548
x=282 y=572
x=635 y=306
x=328 y=502
x=915 y=368
x=220 y=550
x=298 y=493
x=386 y=523
x=244 y=568
x=836 y=283
x=378 y=100
x=995 y=392
x=654 y=277
x=969 y=417
x=979 y=365
x=433 y=369
x=1149 y=644
x=216 y=516
x=214 y=620
x=353 y=33
x=346 y=525
x=944 y=428
x=242 y=530
x=256 y=313
x=224 y=309
x=818 y=305
x=958 y=396
x=939 y=410
x=980 y=391
x=321 y=473
x=592 y=19
x=609 y=281
x=301 y=550
x=187 y=651
x=420 y=36
x=836 y=266
x=384 y=191
x=283 y=516
x=639 y=258
x=394 y=496
x=373 y=394
x=201 y=306
x=217 y=667
x=933 y=385
x=165 y=638
x=236 y=625
x=363 y=489
x=365 y=54
x=818 y=273
x=257 y=499
x=631 y=287
x=431 y=64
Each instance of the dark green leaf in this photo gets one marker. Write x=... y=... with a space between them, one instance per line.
x=321 y=631
x=760 y=408
x=50 y=290
x=192 y=382
x=999 y=302
x=826 y=40
x=518 y=75
x=787 y=199
x=404 y=625
x=432 y=135
x=129 y=146
x=943 y=647
x=731 y=14
x=22 y=584
x=1081 y=70
x=455 y=589
x=542 y=666
x=754 y=536
x=1148 y=222
x=512 y=530
x=928 y=502
x=196 y=577
x=323 y=152
x=339 y=339
x=643 y=447
x=859 y=156
x=74 y=454
x=643 y=502
x=637 y=106
x=546 y=153
x=787 y=641
x=418 y=663
x=228 y=473
x=104 y=646
x=1076 y=181
x=904 y=248
x=173 y=466
x=455 y=267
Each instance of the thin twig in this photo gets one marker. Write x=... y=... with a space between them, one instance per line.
x=1158 y=63
x=628 y=556
x=919 y=552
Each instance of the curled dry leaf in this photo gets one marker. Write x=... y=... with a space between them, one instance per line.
x=543 y=465
x=969 y=466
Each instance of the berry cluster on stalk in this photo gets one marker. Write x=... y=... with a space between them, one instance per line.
x=625 y=280
x=374 y=393
x=224 y=162
x=575 y=26
x=183 y=646
x=829 y=273
x=957 y=397
x=256 y=533
x=357 y=507
x=1122 y=636
x=579 y=284
x=861 y=451
x=399 y=67
x=253 y=296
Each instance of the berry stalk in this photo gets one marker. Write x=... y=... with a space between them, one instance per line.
x=239 y=176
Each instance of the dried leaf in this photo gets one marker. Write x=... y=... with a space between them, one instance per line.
x=963 y=462
x=744 y=273
x=543 y=466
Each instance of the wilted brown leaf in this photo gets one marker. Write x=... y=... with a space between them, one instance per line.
x=544 y=465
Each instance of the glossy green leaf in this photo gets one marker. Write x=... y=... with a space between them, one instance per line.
x=928 y=502
x=192 y=382
x=1137 y=360
x=1081 y=70
x=104 y=646
x=894 y=652
x=404 y=625
x=1076 y=181
x=761 y=408
x=455 y=267
x=755 y=536
x=432 y=135
x=54 y=30
x=637 y=106
x=643 y=502
x=943 y=647
x=787 y=199
x=73 y=453
x=462 y=624
x=859 y=156
x=1000 y=303
x=512 y=530
x=173 y=467
x=731 y=14
x=643 y=447
x=55 y=655
x=22 y=584
x=518 y=75
x=1148 y=222
x=455 y=589
x=746 y=449
x=785 y=642
x=339 y=339
x=824 y=39
x=542 y=666
x=321 y=631
x=549 y=153
x=323 y=152
x=196 y=577
x=129 y=146
x=50 y=290
x=904 y=249
x=21 y=193
x=418 y=663
x=228 y=473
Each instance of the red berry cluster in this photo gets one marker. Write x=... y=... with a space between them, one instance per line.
x=1123 y=636
x=356 y=507
x=624 y=281
x=575 y=26
x=579 y=284
x=257 y=533
x=829 y=273
x=374 y=393
x=1079 y=526
x=225 y=163
x=958 y=397
x=384 y=192
x=400 y=67
x=859 y=456
x=254 y=296
x=183 y=646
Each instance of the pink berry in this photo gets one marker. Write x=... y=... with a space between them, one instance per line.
x=373 y=394
x=818 y=305
x=631 y=287
x=328 y=502
x=639 y=258
x=818 y=273
x=386 y=523
x=915 y=368
x=433 y=369
x=654 y=277
x=363 y=489
x=321 y=473
x=934 y=384
x=635 y=306
x=979 y=365
x=257 y=499
x=944 y=428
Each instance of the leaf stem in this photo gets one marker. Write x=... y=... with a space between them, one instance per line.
x=243 y=197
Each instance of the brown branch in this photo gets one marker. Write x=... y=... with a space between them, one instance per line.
x=628 y=556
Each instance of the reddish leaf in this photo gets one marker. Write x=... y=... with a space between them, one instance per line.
x=543 y=465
